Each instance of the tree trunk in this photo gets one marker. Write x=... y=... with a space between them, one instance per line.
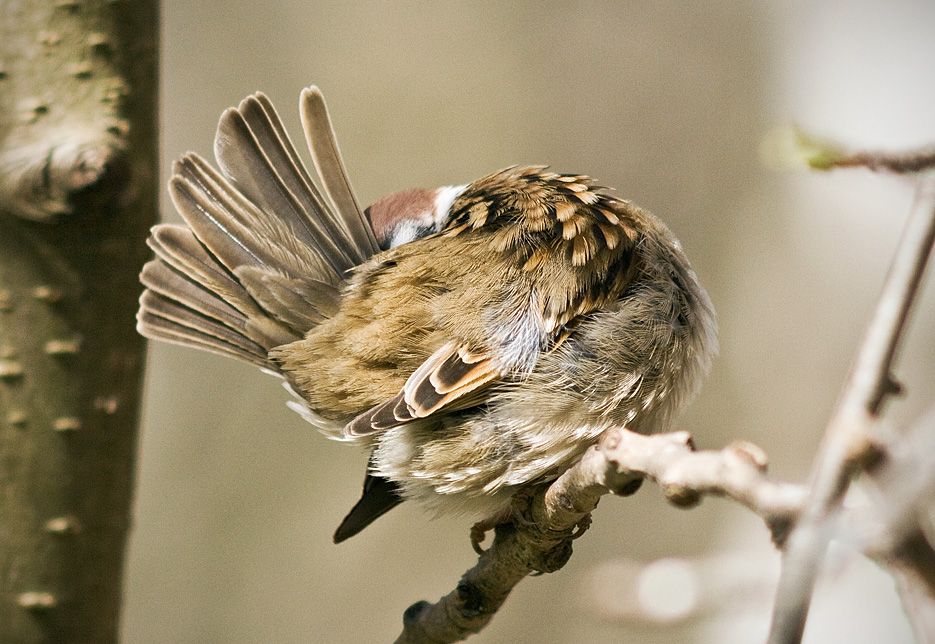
x=78 y=159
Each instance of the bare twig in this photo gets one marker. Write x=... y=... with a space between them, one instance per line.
x=847 y=444
x=902 y=485
x=917 y=601
x=541 y=541
x=900 y=163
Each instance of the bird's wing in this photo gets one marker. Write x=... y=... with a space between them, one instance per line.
x=573 y=249
x=444 y=380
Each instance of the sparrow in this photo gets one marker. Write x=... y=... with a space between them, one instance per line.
x=476 y=339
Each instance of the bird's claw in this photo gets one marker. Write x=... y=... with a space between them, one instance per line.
x=582 y=526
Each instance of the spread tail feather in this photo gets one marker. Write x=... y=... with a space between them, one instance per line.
x=264 y=252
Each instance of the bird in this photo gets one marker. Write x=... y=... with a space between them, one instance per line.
x=474 y=339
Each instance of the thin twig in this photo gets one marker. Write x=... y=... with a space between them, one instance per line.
x=847 y=444
x=900 y=163
x=736 y=472
x=791 y=146
x=917 y=602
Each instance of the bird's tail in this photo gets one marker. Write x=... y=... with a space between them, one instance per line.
x=264 y=251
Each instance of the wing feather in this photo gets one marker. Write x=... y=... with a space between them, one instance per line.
x=441 y=382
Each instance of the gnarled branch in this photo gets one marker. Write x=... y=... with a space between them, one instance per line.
x=553 y=515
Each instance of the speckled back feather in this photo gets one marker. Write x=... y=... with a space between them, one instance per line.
x=539 y=219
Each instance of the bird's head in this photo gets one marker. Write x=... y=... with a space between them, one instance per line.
x=408 y=215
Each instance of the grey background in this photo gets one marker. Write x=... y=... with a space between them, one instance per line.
x=668 y=102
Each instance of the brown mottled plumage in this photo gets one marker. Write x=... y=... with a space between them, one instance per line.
x=476 y=338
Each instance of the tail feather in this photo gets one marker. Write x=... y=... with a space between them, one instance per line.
x=299 y=303
x=157 y=327
x=163 y=280
x=351 y=230
x=327 y=157
x=178 y=247
x=194 y=266
x=177 y=303
x=237 y=231
x=253 y=150
x=182 y=319
x=264 y=254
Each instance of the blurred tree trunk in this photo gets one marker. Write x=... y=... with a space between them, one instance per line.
x=78 y=159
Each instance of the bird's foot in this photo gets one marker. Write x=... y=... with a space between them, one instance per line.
x=582 y=526
x=515 y=513
x=480 y=529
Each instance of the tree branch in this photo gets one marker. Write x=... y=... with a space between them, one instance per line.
x=62 y=94
x=903 y=487
x=794 y=147
x=552 y=516
x=848 y=445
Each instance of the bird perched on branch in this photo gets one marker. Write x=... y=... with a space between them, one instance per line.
x=475 y=338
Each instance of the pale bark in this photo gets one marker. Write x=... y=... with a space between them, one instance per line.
x=849 y=445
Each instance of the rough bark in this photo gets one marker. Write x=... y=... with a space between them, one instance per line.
x=77 y=195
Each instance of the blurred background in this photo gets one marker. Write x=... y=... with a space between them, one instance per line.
x=666 y=101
